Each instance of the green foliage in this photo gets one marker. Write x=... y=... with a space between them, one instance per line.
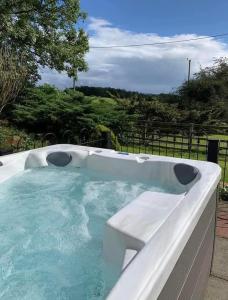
x=205 y=98
x=46 y=32
x=13 y=73
x=12 y=138
x=123 y=94
x=46 y=109
x=100 y=129
x=108 y=92
x=224 y=193
x=141 y=109
x=108 y=112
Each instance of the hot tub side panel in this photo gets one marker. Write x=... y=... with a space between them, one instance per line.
x=189 y=277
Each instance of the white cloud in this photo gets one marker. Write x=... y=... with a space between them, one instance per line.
x=158 y=68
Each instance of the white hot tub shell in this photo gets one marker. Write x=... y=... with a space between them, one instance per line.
x=160 y=243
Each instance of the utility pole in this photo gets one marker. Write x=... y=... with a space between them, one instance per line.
x=189 y=69
x=74 y=83
x=189 y=74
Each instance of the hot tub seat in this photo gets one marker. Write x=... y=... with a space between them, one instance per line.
x=74 y=158
x=134 y=225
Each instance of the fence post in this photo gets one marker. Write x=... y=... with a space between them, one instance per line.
x=191 y=130
x=213 y=150
x=106 y=140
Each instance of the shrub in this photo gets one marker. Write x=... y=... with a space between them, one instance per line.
x=224 y=193
x=100 y=129
x=12 y=138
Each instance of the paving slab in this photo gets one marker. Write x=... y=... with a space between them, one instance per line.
x=217 y=289
x=222 y=219
x=220 y=261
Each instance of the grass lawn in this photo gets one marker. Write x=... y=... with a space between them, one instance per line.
x=219 y=137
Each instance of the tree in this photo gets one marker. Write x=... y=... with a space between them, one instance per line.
x=46 y=32
x=206 y=96
x=13 y=73
x=149 y=110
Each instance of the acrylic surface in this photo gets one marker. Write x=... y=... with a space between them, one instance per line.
x=51 y=231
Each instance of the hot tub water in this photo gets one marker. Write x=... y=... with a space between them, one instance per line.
x=51 y=231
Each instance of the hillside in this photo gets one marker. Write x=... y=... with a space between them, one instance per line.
x=108 y=92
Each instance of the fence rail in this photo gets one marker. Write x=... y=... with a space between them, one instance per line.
x=159 y=139
x=187 y=143
x=17 y=143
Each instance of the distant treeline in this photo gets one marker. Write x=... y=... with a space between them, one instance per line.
x=123 y=94
x=110 y=92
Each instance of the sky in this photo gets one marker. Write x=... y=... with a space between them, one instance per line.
x=150 y=69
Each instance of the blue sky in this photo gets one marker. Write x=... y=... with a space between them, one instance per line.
x=152 y=69
x=164 y=17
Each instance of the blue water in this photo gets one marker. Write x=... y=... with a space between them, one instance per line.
x=51 y=232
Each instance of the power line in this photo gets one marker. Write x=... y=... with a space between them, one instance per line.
x=160 y=43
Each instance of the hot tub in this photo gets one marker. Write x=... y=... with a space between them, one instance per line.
x=157 y=245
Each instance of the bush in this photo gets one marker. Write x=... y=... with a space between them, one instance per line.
x=12 y=138
x=100 y=129
x=47 y=109
x=224 y=193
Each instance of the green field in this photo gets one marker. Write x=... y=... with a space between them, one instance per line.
x=219 y=136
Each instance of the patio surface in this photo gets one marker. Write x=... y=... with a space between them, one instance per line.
x=218 y=282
